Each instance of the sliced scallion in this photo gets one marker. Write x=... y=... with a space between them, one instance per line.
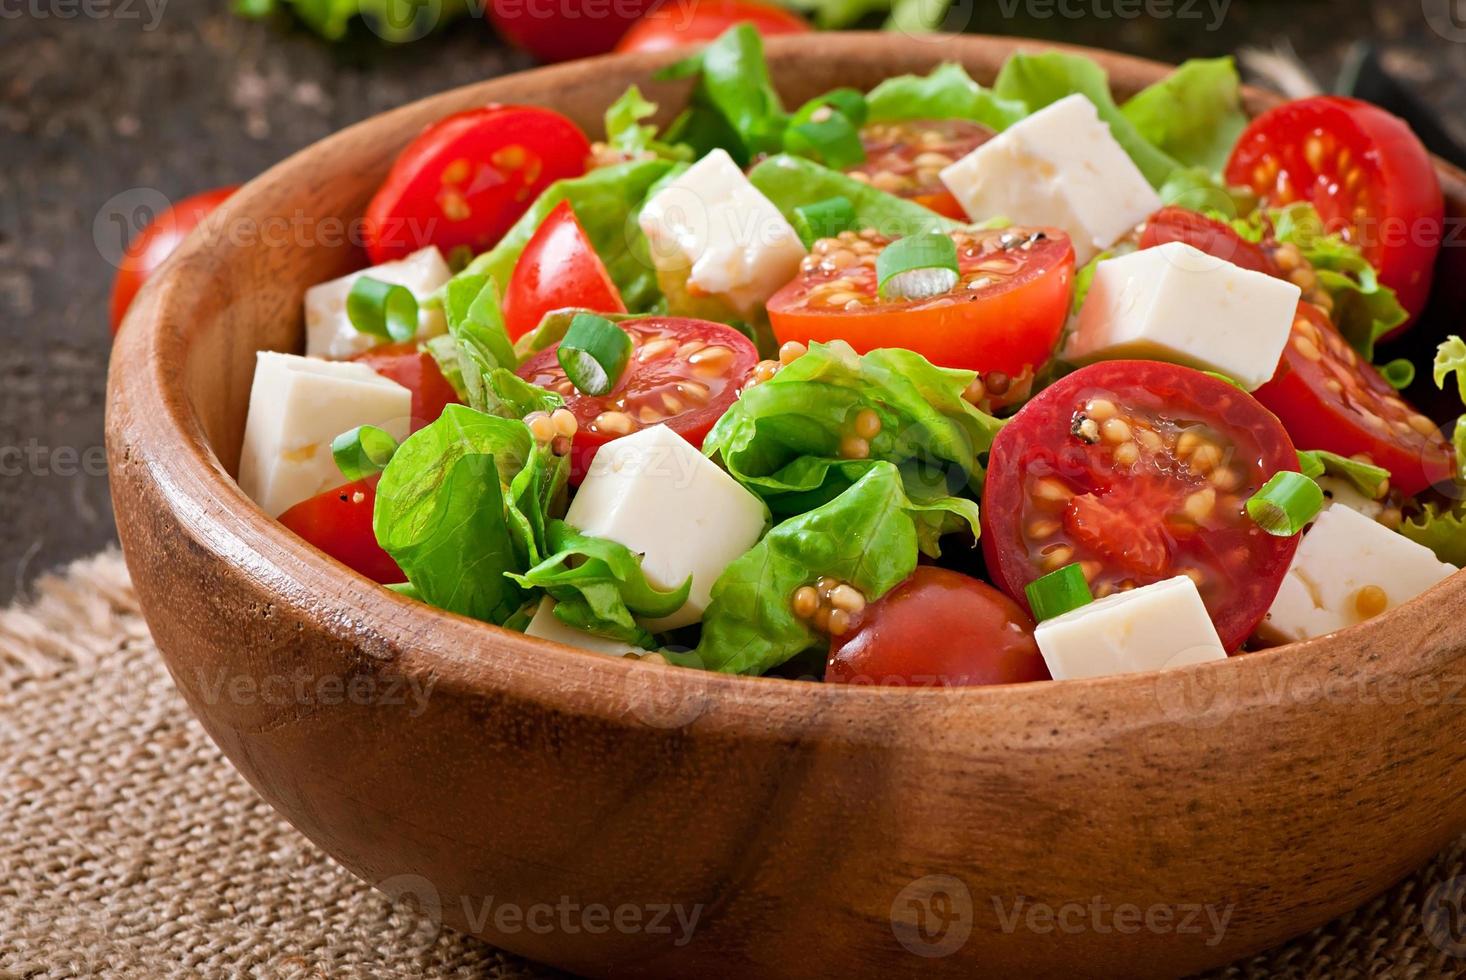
x=382 y=309
x=363 y=451
x=824 y=219
x=917 y=267
x=1286 y=504
x=594 y=353
x=1058 y=592
x=1400 y=373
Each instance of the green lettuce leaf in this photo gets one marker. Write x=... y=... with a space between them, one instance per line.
x=734 y=104
x=866 y=536
x=599 y=586
x=1366 y=477
x=606 y=202
x=626 y=133
x=396 y=21
x=1194 y=115
x=1038 y=80
x=1441 y=530
x=443 y=349
x=1450 y=358
x=947 y=93
x=781 y=439
x=463 y=502
x=790 y=181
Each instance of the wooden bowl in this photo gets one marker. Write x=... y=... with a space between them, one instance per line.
x=565 y=805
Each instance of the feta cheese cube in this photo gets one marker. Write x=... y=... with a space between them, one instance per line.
x=1340 y=491
x=657 y=495
x=297 y=405
x=713 y=227
x=1347 y=569
x=545 y=626
x=1150 y=628
x=328 y=330
x=1060 y=167
x=1177 y=303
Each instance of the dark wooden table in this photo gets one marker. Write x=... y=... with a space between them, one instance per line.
x=155 y=97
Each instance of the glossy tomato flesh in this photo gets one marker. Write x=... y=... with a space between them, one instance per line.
x=1140 y=471
x=905 y=158
x=1001 y=320
x=418 y=372
x=1330 y=398
x=938 y=628
x=683 y=373
x=466 y=179
x=667 y=25
x=339 y=522
x=155 y=243
x=1366 y=173
x=558 y=269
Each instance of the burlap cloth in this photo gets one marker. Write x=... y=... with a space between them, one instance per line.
x=129 y=847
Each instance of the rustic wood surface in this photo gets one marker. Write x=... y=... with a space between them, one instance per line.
x=819 y=828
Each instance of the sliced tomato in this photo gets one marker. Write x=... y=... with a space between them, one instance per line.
x=418 y=372
x=1001 y=320
x=156 y=242
x=938 y=628
x=559 y=268
x=1140 y=471
x=339 y=522
x=469 y=177
x=1366 y=173
x=1173 y=224
x=684 y=373
x=668 y=25
x=905 y=158
x=1330 y=398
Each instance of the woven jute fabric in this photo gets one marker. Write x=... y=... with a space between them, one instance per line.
x=130 y=848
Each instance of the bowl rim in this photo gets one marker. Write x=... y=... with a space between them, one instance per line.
x=145 y=382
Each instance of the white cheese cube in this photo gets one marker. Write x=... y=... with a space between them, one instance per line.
x=328 y=330
x=1340 y=491
x=1150 y=628
x=545 y=626
x=1348 y=568
x=656 y=494
x=1177 y=303
x=1059 y=167
x=297 y=405
x=713 y=226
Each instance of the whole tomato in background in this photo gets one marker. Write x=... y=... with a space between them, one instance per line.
x=558 y=30
x=669 y=25
x=155 y=243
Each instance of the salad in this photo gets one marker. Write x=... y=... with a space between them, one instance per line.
x=935 y=384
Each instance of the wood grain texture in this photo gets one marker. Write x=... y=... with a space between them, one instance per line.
x=804 y=821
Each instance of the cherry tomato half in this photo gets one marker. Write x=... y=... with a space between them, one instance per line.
x=1329 y=398
x=1002 y=318
x=1140 y=471
x=905 y=158
x=1173 y=224
x=156 y=242
x=467 y=178
x=418 y=372
x=339 y=522
x=668 y=26
x=938 y=628
x=1366 y=173
x=559 y=268
x=682 y=372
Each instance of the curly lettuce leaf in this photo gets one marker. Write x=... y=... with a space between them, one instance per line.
x=790 y=181
x=734 y=104
x=947 y=93
x=599 y=586
x=1441 y=530
x=1450 y=358
x=1194 y=115
x=866 y=536
x=626 y=133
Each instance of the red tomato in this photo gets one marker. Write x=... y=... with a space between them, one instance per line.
x=1140 y=471
x=938 y=629
x=466 y=179
x=905 y=158
x=156 y=242
x=559 y=268
x=339 y=522
x=1329 y=398
x=1002 y=318
x=1364 y=170
x=1173 y=224
x=669 y=25
x=558 y=30
x=418 y=372
x=682 y=372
